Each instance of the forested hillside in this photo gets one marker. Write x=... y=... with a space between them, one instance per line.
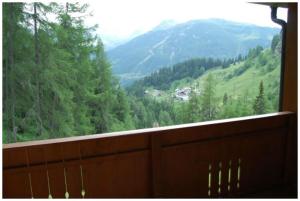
x=58 y=82
x=247 y=86
x=56 y=79
x=192 y=68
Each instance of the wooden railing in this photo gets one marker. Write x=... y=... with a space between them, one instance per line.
x=225 y=158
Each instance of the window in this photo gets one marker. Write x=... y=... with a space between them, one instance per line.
x=147 y=64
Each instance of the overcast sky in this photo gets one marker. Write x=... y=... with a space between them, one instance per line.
x=122 y=18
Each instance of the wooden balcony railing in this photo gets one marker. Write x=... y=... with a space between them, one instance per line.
x=224 y=158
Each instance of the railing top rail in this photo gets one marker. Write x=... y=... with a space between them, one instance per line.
x=140 y=131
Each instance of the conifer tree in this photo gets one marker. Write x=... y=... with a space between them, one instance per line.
x=57 y=80
x=225 y=99
x=194 y=108
x=164 y=118
x=14 y=37
x=208 y=99
x=259 y=103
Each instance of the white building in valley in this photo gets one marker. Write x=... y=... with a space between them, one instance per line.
x=183 y=94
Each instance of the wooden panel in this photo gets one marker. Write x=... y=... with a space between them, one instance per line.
x=261 y=154
x=215 y=129
x=116 y=176
x=39 y=154
x=39 y=181
x=262 y=161
x=123 y=175
x=16 y=185
x=185 y=169
x=231 y=153
x=156 y=165
x=163 y=163
x=17 y=157
x=291 y=158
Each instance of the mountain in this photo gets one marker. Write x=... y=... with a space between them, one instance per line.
x=166 y=46
x=111 y=41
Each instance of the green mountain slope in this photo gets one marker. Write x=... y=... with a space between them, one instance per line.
x=238 y=84
x=247 y=83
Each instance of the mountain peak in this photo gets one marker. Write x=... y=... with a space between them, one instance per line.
x=165 y=24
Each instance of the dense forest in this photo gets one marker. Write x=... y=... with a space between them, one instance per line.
x=57 y=81
x=193 y=68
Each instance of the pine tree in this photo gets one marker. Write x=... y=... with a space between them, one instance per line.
x=102 y=100
x=164 y=118
x=11 y=66
x=14 y=37
x=37 y=61
x=259 y=103
x=225 y=99
x=56 y=79
x=194 y=108
x=208 y=99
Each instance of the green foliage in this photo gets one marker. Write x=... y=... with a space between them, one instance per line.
x=254 y=52
x=164 y=77
x=243 y=68
x=57 y=81
x=194 y=109
x=275 y=41
x=164 y=119
x=259 y=105
x=226 y=98
x=208 y=99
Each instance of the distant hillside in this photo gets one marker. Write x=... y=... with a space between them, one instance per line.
x=199 y=38
x=192 y=68
x=203 y=89
x=238 y=80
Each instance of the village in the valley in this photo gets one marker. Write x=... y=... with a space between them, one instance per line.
x=180 y=94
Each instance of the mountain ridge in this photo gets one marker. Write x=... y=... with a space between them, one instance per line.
x=216 y=38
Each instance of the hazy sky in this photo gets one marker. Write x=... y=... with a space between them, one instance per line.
x=122 y=18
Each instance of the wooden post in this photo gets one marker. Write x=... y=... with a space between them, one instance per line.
x=156 y=165
x=290 y=99
x=290 y=71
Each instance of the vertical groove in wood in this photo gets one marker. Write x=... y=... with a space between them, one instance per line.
x=209 y=180
x=229 y=178
x=156 y=165
x=220 y=179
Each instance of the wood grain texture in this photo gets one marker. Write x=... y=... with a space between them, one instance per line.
x=161 y=163
x=290 y=86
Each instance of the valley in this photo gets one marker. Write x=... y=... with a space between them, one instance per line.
x=225 y=81
x=222 y=91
